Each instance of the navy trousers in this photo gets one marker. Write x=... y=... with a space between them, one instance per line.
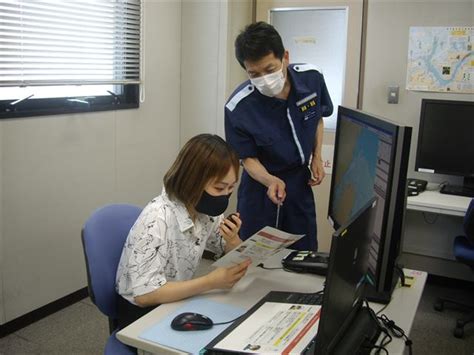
x=297 y=214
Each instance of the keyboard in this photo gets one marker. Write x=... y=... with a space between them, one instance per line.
x=308 y=298
x=457 y=190
x=294 y=297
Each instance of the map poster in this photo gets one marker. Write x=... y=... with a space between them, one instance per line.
x=440 y=59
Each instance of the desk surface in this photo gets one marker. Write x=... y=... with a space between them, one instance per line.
x=436 y=202
x=258 y=282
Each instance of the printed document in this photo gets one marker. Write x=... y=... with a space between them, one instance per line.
x=259 y=247
x=275 y=328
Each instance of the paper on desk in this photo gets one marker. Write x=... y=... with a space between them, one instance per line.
x=194 y=341
x=274 y=328
x=260 y=246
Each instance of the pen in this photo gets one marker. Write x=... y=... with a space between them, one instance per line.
x=278 y=215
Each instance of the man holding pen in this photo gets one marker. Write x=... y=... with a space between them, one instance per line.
x=274 y=122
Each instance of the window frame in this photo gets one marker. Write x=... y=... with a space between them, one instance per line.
x=129 y=99
x=125 y=93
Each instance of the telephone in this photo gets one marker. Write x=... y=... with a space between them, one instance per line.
x=307 y=262
x=416 y=186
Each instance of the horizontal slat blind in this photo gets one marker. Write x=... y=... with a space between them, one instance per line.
x=69 y=42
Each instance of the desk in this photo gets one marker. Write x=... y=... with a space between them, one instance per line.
x=432 y=222
x=258 y=282
x=436 y=202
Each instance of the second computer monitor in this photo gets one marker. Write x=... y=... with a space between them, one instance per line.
x=348 y=265
x=371 y=160
x=452 y=123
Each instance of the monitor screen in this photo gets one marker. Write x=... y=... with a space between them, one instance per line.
x=346 y=279
x=370 y=161
x=452 y=123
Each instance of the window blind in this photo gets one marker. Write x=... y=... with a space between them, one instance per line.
x=68 y=42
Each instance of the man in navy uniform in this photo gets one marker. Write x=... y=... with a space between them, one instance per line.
x=274 y=122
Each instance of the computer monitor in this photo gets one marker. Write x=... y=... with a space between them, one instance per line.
x=344 y=290
x=343 y=322
x=371 y=160
x=445 y=142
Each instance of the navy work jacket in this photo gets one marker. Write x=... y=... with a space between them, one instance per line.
x=280 y=133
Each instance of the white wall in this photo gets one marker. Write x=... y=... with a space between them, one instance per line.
x=58 y=169
x=239 y=15
x=209 y=70
x=386 y=60
x=203 y=61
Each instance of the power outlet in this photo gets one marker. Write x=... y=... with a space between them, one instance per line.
x=393 y=94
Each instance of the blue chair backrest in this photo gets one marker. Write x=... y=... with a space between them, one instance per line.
x=469 y=222
x=103 y=238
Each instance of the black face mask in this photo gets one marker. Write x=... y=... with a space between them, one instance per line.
x=212 y=205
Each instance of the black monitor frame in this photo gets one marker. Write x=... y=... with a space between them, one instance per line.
x=346 y=282
x=391 y=235
x=464 y=170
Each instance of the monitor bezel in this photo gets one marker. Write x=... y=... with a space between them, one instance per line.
x=339 y=238
x=383 y=124
x=371 y=120
x=421 y=169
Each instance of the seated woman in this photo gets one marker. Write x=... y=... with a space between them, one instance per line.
x=166 y=243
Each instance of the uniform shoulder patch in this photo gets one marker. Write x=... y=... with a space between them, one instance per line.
x=305 y=67
x=239 y=96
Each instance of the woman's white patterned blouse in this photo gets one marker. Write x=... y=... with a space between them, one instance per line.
x=165 y=244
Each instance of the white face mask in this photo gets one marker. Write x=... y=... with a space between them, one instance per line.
x=270 y=84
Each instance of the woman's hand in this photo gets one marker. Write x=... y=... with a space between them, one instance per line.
x=177 y=290
x=229 y=230
x=227 y=277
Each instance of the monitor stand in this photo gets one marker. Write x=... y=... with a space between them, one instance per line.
x=361 y=336
x=383 y=297
x=467 y=189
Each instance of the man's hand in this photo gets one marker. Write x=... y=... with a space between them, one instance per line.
x=317 y=172
x=227 y=277
x=276 y=191
x=275 y=186
x=229 y=230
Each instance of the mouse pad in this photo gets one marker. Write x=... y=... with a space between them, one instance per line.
x=192 y=341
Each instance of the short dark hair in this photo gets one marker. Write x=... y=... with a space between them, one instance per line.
x=256 y=41
x=203 y=158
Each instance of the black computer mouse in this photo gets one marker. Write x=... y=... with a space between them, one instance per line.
x=191 y=321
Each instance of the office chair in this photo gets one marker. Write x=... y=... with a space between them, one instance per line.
x=464 y=252
x=103 y=237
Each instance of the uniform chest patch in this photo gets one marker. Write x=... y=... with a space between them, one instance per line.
x=307 y=106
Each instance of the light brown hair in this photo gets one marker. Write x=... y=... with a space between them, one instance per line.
x=204 y=158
